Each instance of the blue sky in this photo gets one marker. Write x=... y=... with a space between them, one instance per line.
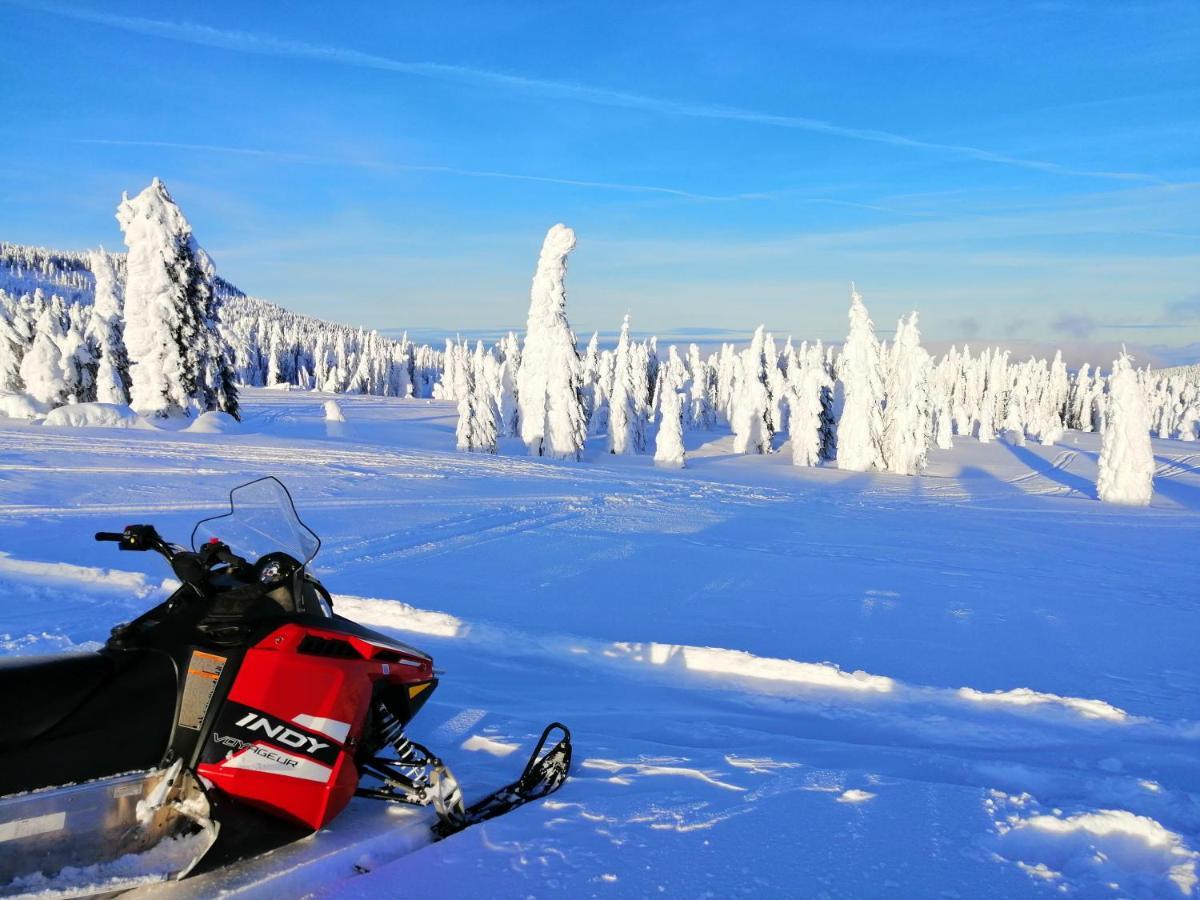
x=1012 y=170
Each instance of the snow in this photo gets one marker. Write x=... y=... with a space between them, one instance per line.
x=1093 y=709
x=214 y=422
x=132 y=871
x=20 y=406
x=1129 y=853
x=781 y=680
x=95 y=415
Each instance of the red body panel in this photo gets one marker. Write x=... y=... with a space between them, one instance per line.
x=293 y=720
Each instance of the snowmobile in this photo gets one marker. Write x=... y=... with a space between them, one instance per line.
x=238 y=715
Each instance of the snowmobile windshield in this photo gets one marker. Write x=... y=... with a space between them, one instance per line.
x=262 y=519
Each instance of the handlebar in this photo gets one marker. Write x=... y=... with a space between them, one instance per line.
x=191 y=568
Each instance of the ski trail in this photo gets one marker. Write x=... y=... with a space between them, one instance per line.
x=1061 y=461
x=454 y=533
x=1176 y=466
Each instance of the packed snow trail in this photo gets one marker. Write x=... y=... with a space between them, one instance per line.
x=780 y=681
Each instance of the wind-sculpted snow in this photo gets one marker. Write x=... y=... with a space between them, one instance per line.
x=1105 y=848
x=781 y=680
x=1092 y=709
x=95 y=415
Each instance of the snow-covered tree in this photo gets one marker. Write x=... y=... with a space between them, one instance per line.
x=628 y=407
x=42 y=366
x=668 y=445
x=830 y=404
x=78 y=362
x=477 y=415
x=672 y=375
x=177 y=363
x=606 y=368
x=941 y=389
x=753 y=411
x=590 y=378
x=749 y=407
x=13 y=342
x=1189 y=418
x=860 y=425
x=907 y=417
x=106 y=327
x=807 y=381
x=549 y=380
x=1126 y=456
x=701 y=384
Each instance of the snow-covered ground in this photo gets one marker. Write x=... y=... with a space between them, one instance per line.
x=780 y=681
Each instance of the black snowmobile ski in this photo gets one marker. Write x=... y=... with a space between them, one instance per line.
x=417 y=777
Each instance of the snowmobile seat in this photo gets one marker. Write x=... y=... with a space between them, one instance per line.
x=36 y=693
x=71 y=718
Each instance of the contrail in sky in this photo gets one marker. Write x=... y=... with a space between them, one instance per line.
x=268 y=45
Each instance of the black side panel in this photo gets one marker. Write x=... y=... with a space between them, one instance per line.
x=122 y=724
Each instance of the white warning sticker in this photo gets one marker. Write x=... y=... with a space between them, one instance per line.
x=25 y=828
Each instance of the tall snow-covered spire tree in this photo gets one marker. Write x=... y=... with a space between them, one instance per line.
x=907 y=418
x=1126 y=456
x=549 y=381
x=177 y=360
x=860 y=425
x=106 y=327
x=628 y=405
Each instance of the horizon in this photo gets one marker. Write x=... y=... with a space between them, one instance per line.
x=1033 y=181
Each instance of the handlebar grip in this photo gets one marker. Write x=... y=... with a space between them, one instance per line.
x=114 y=536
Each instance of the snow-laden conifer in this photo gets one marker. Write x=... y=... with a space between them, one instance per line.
x=106 y=326
x=728 y=365
x=672 y=375
x=1126 y=456
x=668 y=445
x=700 y=414
x=1189 y=418
x=807 y=380
x=42 y=366
x=749 y=404
x=549 y=380
x=628 y=406
x=860 y=425
x=907 y=418
x=177 y=364
x=477 y=414
x=752 y=408
x=78 y=363
x=590 y=376
x=602 y=394
x=12 y=346
x=1080 y=399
